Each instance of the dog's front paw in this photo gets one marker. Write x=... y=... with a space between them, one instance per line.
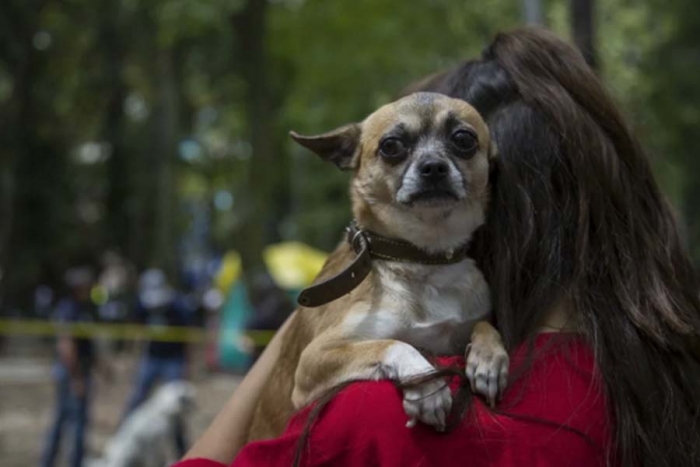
x=429 y=403
x=487 y=369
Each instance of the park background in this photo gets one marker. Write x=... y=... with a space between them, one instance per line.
x=157 y=129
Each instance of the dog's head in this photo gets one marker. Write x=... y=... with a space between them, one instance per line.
x=421 y=169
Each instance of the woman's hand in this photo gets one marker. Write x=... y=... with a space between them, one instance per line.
x=228 y=432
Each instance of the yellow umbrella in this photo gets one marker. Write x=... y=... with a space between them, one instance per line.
x=292 y=265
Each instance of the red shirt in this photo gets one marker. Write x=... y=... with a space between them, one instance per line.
x=553 y=415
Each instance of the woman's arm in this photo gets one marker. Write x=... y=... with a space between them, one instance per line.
x=228 y=432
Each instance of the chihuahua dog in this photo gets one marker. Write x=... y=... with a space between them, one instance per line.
x=402 y=280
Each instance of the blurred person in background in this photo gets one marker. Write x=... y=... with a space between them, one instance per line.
x=116 y=282
x=163 y=361
x=271 y=307
x=115 y=289
x=73 y=369
x=43 y=301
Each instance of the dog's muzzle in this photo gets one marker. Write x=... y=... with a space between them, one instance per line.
x=431 y=180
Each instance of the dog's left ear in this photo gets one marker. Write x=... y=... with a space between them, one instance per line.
x=340 y=146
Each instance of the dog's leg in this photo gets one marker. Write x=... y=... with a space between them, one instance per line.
x=330 y=360
x=487 y=362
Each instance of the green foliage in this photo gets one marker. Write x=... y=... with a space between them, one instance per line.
x=184 y=73
x=672 y=99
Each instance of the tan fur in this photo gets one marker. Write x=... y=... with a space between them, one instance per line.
x=275 y=406
x=327 y=345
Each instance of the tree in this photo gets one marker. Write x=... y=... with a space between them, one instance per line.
x=672 y=97
x=26 y=158
x=532 y=12
x=583 y=27
x=250 y=24
x=119 y=183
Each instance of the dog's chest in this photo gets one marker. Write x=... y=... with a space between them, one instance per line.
x=429 y=307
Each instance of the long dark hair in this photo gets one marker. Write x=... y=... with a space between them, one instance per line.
x=576 y=217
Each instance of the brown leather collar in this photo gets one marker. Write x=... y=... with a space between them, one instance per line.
x=368 y=246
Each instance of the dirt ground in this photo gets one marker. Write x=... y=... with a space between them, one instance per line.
x=27 y=400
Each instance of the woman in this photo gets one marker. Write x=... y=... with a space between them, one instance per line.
x=579 y=238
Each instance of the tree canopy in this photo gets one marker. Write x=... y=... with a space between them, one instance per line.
x=159 y=127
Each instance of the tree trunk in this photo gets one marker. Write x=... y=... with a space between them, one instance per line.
x=166 y=127
x=19 y=23
x=250 y=26
x=532 y=12
x=583 y=28
x=118 y=219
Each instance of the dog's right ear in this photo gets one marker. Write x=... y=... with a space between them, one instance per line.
x=340 y=146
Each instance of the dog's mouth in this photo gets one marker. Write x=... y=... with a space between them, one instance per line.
x=433 y=197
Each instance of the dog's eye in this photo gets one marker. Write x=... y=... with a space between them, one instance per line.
x=465 y=142
x=392 y=148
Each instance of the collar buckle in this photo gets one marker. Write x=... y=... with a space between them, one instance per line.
x=357 y=238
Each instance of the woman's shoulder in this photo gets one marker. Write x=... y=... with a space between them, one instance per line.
x=553 y=410
x=556 y=394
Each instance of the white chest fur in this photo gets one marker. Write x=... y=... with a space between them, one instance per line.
x=429 y=307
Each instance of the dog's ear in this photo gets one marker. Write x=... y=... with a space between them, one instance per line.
x=340 y=146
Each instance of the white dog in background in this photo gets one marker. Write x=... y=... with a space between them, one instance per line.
x=145 y=438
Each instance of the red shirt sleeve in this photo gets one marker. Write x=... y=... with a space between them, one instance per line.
x=554 y=415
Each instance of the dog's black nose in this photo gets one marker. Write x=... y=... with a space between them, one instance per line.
x=433 y=169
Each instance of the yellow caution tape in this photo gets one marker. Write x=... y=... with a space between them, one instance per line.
x=123 y=331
